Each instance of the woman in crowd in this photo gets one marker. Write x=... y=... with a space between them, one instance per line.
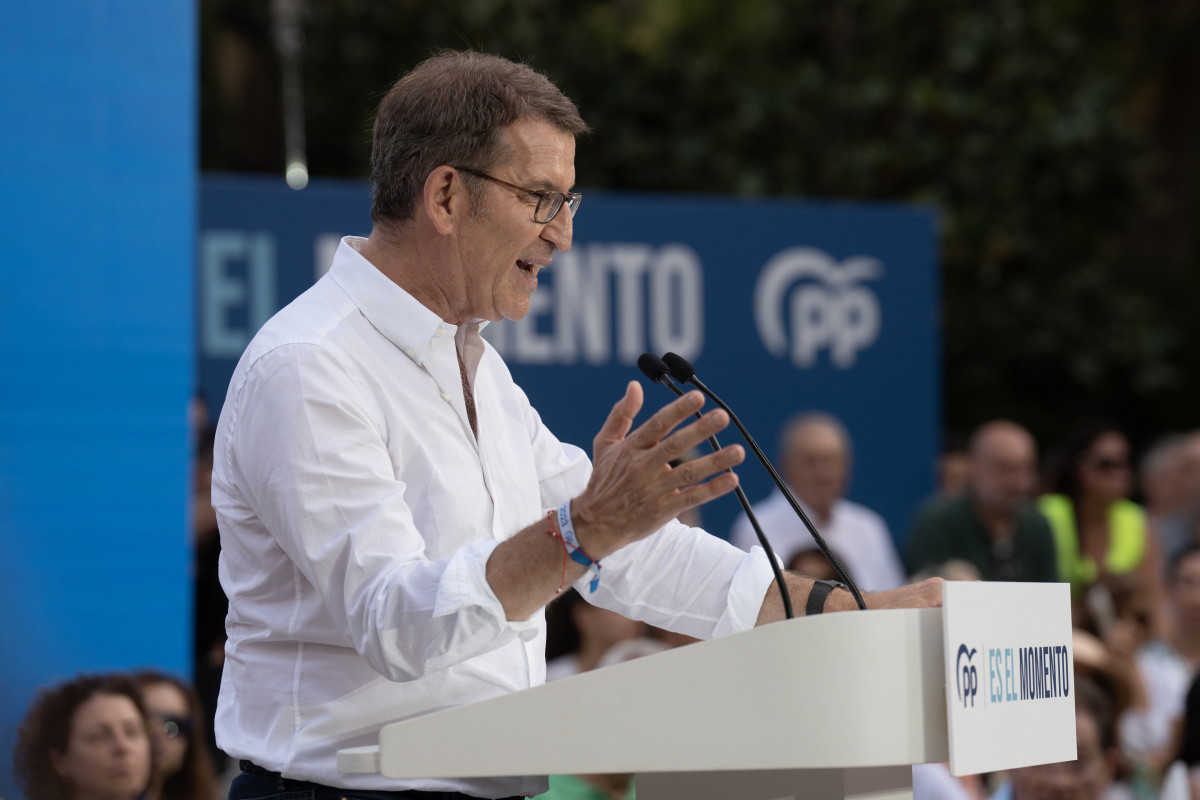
x=579 y=634
x=1097 y=530
x=183 y=769
x=86 y=739
x=1092 y=774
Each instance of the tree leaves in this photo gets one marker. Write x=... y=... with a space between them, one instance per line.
x=1039 y=129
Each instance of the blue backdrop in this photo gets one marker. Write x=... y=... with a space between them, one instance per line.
x=782 y=306
x=97 y=231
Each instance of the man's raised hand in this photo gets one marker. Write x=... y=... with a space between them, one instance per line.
x=633 y=490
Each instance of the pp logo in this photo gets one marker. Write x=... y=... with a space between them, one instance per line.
x=829 y=310
x=968 y=678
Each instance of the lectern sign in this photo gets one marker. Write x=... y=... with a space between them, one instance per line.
x=1009 y=678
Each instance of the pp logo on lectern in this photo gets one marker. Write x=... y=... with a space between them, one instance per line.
x=967 y=676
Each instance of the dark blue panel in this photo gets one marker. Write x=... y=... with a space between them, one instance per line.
x=658 y=273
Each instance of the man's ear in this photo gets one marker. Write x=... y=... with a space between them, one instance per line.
x=445 y=199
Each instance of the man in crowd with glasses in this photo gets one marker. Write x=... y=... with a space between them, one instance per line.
x=394 y=516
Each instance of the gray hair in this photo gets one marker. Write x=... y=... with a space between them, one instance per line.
x=451 y=110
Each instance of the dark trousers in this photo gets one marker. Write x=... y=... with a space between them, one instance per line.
x=256 y=783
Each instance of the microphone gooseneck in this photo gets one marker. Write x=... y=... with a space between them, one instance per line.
x=657 y=371
x=682 y=371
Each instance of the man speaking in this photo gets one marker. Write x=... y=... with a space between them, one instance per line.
x=394 y=515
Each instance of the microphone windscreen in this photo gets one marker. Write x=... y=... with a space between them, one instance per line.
x=681 y=369
x=652 y=367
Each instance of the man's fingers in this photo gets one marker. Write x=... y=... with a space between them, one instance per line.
x=620 y=419
x=700 y=493
x=700 y=469
x=655 y=429
x=691 y=435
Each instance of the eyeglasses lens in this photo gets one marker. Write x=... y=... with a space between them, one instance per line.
x=174 y=727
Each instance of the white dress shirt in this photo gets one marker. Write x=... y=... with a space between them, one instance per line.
x=856 y=535
x=357 y=514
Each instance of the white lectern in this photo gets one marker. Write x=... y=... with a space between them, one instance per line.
x=831 y=706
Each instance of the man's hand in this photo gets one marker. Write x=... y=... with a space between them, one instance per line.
x=926 y=594
x=634 y=490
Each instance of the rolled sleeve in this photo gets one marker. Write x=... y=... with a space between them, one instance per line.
x=464 y=590
x=685 y=580
x=746 y=592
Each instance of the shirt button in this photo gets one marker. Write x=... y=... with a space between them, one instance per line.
x=411 y=353
x=446 y=397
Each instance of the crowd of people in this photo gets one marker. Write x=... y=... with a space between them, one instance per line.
x=115 y=736
x=1133 y=567
x=1125 y=537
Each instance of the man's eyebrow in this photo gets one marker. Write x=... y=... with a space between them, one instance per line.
x=544 y=185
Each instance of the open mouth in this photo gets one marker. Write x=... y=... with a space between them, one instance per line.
x=528 y=266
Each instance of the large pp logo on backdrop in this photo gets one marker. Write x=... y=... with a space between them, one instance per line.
x=827 y=303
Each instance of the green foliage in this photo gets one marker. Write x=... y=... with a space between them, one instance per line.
x=1035 y=128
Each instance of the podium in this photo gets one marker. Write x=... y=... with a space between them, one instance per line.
x=831 y=706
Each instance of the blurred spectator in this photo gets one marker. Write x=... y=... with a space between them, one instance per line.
x=1156 y=675
x=1150 y=729
x=993 y=524
x=578 y=634
x=1098 y=531
x=183 y=769
x=1183 y=779
x=815 y=464
x=198 y=415
x=1162 y=477
x=209 y=605
x=934 y=782
x=956 y=569
x=1177 y=529
x=813 y=563
x=83 y=739
x=1183 y=614
x=954 y=466
x=1092 y=774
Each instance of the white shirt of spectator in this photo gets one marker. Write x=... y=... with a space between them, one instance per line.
x=856 y=534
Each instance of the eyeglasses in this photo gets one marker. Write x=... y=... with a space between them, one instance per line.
x=1109 y=464
x=548 y=204
x=175 y=726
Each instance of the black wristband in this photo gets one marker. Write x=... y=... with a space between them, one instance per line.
x=817 y=594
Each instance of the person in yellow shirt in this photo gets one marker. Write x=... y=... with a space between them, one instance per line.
x=1097 y=529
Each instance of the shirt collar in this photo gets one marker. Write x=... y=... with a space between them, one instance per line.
x=395 y=313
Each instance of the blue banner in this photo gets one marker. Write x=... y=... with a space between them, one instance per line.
x=97 y=227
x=781 y=306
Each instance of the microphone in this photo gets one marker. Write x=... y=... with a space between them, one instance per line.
x=656 y=370
x=682 y=371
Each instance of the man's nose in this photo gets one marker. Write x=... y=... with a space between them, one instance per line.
x=560 y=230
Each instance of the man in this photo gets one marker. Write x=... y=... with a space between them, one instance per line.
x=394 y=516
x=815 y=464
x=993 y=525
x=1180 y=527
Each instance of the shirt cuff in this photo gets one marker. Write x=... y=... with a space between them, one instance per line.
x=746 y=593
x=464 y=586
